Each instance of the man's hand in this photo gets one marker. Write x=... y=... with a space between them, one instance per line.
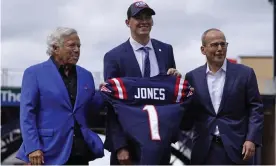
x=102 y=84
x=123 y=157
x=173 y=71
x=248 y=150
x=36 y=157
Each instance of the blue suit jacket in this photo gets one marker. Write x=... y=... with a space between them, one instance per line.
x=240 y=115
x=121 y=62
x=46 y=113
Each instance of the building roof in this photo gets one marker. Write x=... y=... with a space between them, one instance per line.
x=255 y=56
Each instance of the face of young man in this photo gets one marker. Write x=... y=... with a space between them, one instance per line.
x=140 y=24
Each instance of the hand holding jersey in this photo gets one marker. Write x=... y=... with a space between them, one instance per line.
x=149 y=110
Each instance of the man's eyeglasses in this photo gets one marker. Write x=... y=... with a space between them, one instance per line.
x=222 y=44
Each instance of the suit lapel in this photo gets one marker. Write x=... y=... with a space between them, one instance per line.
x=131 y=59
x=158 y=52
x=79 y=85
x=203 y=88
x=56 y=77
x=228 y=85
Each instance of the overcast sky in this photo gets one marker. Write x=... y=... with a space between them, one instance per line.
x=247 y=25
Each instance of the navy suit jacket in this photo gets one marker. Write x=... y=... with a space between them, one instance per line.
x=240 y=115
x=46 y=113
x=121 y=62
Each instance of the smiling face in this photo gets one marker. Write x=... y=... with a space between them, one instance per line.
x=214 y=47
x=69 y=51
x=140 y=24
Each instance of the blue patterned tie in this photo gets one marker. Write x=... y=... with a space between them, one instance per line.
x=146 y=62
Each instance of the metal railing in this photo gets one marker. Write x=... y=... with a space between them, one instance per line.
x=11 y=77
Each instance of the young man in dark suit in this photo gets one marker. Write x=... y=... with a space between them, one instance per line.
x=140 y=56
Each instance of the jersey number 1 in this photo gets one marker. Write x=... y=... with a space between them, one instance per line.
x=153 y=122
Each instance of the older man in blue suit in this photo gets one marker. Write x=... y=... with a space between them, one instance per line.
x=227 y=107
x=140 y=56
x=55 y=97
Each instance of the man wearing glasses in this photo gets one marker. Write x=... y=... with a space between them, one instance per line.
x=227 y=110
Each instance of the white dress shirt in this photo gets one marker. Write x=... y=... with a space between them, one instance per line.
x=140 y=57
x=215 y=83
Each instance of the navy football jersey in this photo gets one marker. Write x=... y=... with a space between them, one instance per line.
x=149 y=111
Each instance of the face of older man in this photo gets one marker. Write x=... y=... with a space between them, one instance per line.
x=215 y=48
x=69 y=51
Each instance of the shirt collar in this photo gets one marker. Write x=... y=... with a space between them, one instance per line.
x=136 y=46
x=223 y=67
x=62 y=67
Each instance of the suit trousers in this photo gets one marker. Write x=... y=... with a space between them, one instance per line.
x=165 y=158
x=80 y=153
x=217 y=155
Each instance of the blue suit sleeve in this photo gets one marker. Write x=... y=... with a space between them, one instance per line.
x=29 y=111
x=97 y=100
x=115 y=137
x=255 y=107
x=171 y=58
x=188 y=117
x=111 y=68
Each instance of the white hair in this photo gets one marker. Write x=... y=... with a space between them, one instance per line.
x=57 y=36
